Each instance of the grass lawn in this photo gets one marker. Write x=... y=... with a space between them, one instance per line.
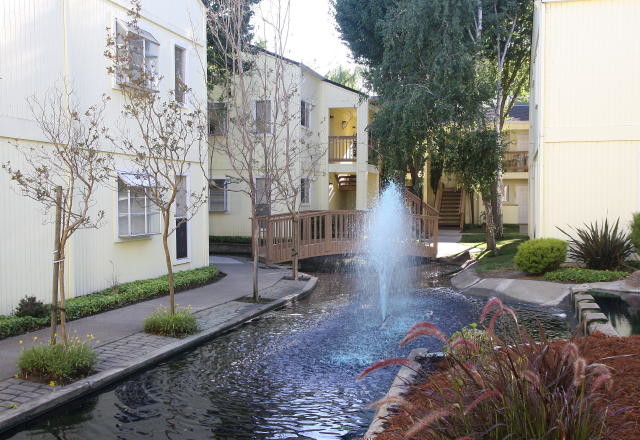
x=507 y=250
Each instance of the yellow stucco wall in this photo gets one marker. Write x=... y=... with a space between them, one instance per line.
x=585 y=127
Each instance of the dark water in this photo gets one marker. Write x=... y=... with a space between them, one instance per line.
x=622 y=310
x=287 y=375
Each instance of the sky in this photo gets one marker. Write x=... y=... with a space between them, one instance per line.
x=313 y=38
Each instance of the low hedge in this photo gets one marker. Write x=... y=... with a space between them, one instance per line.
x=58 y=363
x=229 y=239
x=182 y=323
x=578 y=275
x=112 y=298
x=540 y=255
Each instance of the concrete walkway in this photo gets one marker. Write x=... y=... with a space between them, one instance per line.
x=124 y=348
x=116 y=324
x=535 y=292
x=448 y=243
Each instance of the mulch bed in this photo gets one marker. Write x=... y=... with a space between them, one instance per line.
x=622 y=355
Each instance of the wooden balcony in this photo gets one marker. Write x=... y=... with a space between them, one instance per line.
x=343 y=148
x=516 y=161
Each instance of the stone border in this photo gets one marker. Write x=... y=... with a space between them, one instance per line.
x=37 y=407
x=401 y=383
x=590 y=317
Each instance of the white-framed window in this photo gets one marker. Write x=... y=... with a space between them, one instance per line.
x=305 y=191
x=305 y=114
x=505 y=193
x=137 y=215
x=218 y=195
x=181 y=219
x=263 y=117
x=143 y=51
x=218 y=119
x=180 y=62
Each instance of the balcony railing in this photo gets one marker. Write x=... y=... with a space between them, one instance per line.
x=343 y=148
x=516 y=161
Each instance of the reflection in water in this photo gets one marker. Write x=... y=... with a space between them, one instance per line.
x=622 y=311
x=287 y=375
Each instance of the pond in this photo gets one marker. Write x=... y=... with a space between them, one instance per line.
x=622 y=310
x=289 y=374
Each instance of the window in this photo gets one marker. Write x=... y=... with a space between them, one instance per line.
x=305 y=114
x=137 y=215
x=218 y=119
x=263 y=204
x=141 y=50
x=505 y=193
x=182 y=225
x=305 y=191
x=218 y=195
x=180 y=85
x=263 y=117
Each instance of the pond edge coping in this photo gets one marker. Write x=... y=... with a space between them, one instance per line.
x=588 y=312
x=403 y=380
x=91 y=384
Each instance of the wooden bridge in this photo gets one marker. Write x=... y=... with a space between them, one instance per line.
x=324 y=233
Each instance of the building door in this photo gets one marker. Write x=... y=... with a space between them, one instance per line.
x=522 y=199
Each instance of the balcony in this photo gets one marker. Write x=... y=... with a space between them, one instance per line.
x=342 y=149
x=516 y=161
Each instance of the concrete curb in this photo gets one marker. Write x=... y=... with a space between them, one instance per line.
x=400 y=385
x=590 y=317
x=100 y=380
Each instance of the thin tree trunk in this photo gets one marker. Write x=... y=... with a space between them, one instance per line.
x=56 y=266
x=472 y=208
x=496 y=208
x=296 y=247
x=491 y=230
x=63 y=312
x=254 y=248
x=167 y=259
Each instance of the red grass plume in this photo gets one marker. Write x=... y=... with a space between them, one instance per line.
x=386 y=362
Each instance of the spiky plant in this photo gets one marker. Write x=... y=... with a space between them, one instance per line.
x=600 y=246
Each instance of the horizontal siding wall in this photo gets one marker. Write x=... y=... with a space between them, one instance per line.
x=585 y=182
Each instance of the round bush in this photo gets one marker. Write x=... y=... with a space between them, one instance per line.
x=540 y=255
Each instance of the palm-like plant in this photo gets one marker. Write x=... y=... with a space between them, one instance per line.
x=600 y=246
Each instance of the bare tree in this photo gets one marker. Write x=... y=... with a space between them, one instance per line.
x=164 y=134
x=63 y=175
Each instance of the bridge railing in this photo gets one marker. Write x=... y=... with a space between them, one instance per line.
x=332 y=233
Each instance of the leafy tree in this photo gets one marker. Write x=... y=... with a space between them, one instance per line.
x=217 y=59
x=344 y=76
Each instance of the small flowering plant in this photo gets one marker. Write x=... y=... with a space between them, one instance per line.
x=521 y=389
x=180 y=324
x=60 y=363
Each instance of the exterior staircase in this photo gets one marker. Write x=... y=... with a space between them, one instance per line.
x=450 y=207
x=347 y=182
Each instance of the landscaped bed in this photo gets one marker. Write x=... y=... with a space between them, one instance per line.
x=112 y=298
x=621 y=355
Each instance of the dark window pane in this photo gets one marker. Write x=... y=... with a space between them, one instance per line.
x=181 y=240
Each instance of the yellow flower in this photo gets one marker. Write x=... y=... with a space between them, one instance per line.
x=35 y=338
x=55 y=335
x=52 y=384
x=20 y=342
x=12 y=406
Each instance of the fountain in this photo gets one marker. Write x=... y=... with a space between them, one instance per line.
x=386 y=235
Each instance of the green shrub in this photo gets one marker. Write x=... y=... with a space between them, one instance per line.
x=108 y=299
x=540 y=255
x=59 y=363
x=474 y=334
x=577 y=275
x=182 y=323
x=635 y=231
x=229 y=239
x=600 y=246
x=30 y=306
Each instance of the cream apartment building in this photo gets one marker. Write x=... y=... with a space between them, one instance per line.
x=585 y=127
x=44 y=42
x=329 y=116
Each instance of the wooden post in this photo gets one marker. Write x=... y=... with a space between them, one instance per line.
x=56 y=266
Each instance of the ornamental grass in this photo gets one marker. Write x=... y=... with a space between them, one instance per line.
x=58 y=363
x=177 y=325
x=523 y=389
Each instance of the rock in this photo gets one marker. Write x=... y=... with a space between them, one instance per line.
x=633 y=280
